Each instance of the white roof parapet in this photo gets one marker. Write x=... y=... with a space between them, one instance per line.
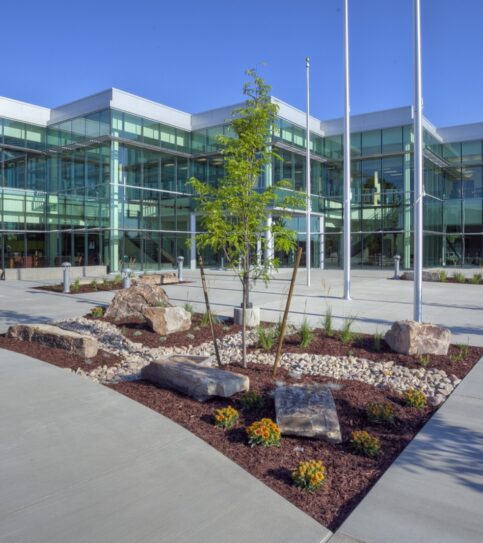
x=462 y=132
x=213 y=117
x=83 y=106
x=24 y=112
x=297 y=116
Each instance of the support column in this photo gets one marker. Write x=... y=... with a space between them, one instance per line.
x=322 y=243
x=114 y=208
x=269 y=248
x=193 y=241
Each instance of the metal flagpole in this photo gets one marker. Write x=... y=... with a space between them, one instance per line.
x=418 y=167
x=347 y=162
x=308 y=245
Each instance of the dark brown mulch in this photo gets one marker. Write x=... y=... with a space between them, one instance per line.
x=349 y=476
x=82 y=289
x=58 y=357
x=363 y=347
x=138 y=331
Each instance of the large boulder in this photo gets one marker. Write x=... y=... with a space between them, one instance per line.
x=53 y=336
x=130 y=303
x=167 y=320
x=414 y=338
x=194 y=380
x=307 y=411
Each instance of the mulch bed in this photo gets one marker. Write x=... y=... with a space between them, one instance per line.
x=349 y=476
x=138 y=331
x=81 y=289
x=58 y=357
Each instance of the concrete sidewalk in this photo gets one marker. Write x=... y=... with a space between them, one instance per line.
x=80 y=463
x=434 y=490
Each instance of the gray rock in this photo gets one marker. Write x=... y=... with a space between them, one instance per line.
x=58 y=338
x=194 y=380
x=167 y=320
x=131 y=302
x=308 y=411
x=413 y=338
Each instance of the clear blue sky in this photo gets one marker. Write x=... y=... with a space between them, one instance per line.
x=191 y=54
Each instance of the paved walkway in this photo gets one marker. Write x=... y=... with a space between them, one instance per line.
x=434 y=490
x=80 y=463
x=377 y=301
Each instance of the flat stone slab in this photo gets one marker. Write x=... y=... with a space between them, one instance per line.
x=167 y=320
x=308 y=411
x=194 y=380
x=53 y=336
x=204 y=361
x=414 y=338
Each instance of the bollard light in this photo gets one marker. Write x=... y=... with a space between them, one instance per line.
x=66 y=279
x=180 y=260
x=126 y=279
x=397 y=260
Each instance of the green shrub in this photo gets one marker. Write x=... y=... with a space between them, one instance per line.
x=459 y=277
x=346 y=334
x=365 y=443
x=266 y=337
x=75 y=286
x=306 y=334
x=117 y=280
x=415 y=398
x=443 y=276
x=205 y=318
x=93 y=285
x=376 y=341
x=226 y=417
x=328 y=325
x=424 y=360
x=380 y=412
x=463 y=351
x=476 y=279
x=188 y=307
x=97 y=312
x=251 y=400
x=309 y=475
x=264 y=433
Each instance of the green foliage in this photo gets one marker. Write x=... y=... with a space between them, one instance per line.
x=346 y=333
x=93 y=285
x=365 y=443
x=267 y=336
x=97 y=312
x=463 y=351
x=443 y=276
x=328 y=327
x=476 y=279
x=188 y=307
x=424 y=360
x=415 y=398
x=234 y=212
x=117 y=280
x=380 y=412
x=306 y=334
x=376 y=341
x=159 y=303
x=205 y=318
x=251 y=400
x=309 y=475
x=264 y=433
x=75 y=286
x=459 y=277
x=226 y=417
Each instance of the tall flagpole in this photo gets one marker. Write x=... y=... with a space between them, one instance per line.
x=347 y=162
x=308 y=245
x=418 y=167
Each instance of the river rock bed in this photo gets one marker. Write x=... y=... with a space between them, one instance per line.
x=436 y=384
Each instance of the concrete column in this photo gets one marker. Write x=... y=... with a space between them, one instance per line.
x=115 y=206
x=193 y=241
x=406 y=260
x=322 y=242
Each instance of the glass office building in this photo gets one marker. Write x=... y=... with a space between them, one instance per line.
x=103 y=181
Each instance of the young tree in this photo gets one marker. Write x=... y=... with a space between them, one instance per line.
x=234 y=212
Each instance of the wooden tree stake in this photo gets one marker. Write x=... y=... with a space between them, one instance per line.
x=287 y=307
x=207 y=302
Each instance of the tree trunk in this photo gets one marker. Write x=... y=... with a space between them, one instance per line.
x=244 y=324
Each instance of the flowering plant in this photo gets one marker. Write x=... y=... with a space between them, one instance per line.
x=264 y=432
x=309 y=475
x=226 y=417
